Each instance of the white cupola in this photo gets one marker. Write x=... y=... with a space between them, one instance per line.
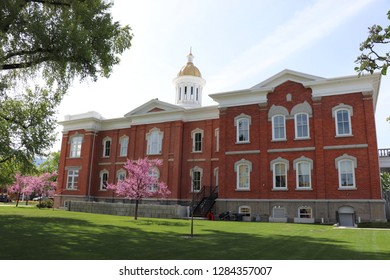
x=189 y=84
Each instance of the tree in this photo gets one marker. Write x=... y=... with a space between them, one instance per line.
x=42 y=185
x=371 y=60
x=51 y=163
x=44 y=46
x=385 y=182
x=140 y=182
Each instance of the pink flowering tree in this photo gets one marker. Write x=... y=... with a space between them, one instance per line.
x=140 y=182
x=43 y=185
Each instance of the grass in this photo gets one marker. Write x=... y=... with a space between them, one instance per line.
x=31 y=233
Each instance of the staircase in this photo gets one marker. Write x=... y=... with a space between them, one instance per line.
x=205 y=200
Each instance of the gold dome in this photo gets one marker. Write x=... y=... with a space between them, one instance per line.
x=189 y=69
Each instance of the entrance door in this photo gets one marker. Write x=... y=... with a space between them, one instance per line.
x=346 y=216
x=346 y=220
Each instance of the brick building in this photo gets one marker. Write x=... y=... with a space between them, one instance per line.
x=294 y=147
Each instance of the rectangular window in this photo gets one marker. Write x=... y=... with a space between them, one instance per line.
x=197 y=142
x=124 y=142
x=243 y=177
x=343 y=124
x=305 y=213
x=301 y=126
x=196 y=181
x=154 y=142
x=278 y=128
x=346 y=173
x=107 y=148
x=103 y=181
x=75 y=146
x=303 y=175
x=280 y=175
x=72 y=180
x=242 y=130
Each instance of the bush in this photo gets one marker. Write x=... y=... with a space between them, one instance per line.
x=48 y=203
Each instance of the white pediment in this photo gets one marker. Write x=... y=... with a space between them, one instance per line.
x=154 y=106
x=284 y=76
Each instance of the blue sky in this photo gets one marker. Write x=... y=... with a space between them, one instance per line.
x=237 y=44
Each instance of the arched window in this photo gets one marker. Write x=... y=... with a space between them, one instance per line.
x=279 y=168
x=124 y=144
x=243 y=169
x=196 y=178
x=197 y=140
x=106 y=146
x=154 y=141
x=155 y=173
x=278 y=127
x=301 y=126
x=103 y=180
x=242 y=123
x=346 y=170
x=75 y=145
x=303 y=167
x=342 y=114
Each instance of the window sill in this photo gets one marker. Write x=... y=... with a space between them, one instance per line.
x=344 y=135
x=279 y=140
x=242 y=190
x=71 y=189
x=347 y=189
x=197 y=152
x=303 y=189
x=302 y=138
x=102 y=190
x=242 y=142
x=279 y=189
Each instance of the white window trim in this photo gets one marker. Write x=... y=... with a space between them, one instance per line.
x=338 y=162
x=216 y=133
x=296 y=126
x=272 y=167
x=156 y=171
x=105 y=140
x=284 y=128
x=200 y=170
x=119 y=172
x=338 y=108
x=193 y=133
x=237 y=169
x=101 y=185
x=237 y=119
x=160 y=140
x=73 y=188
x=121 y=148
x=295 y=165
x=72 y=152
x=246 y=207
x=305 y=207
x=216 y=171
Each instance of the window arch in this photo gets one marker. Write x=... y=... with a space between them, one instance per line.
x=243 y=168
x=121 y=174
x=242 y=124
x=154 y=141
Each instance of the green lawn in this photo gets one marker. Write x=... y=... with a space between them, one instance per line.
x=31 y=233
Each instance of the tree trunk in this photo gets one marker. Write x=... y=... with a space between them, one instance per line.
x=136 y=210
x=17 y=200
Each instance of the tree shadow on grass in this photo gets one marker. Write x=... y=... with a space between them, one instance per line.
x=56 y=238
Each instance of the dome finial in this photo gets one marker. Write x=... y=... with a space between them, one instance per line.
x=190 y=56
